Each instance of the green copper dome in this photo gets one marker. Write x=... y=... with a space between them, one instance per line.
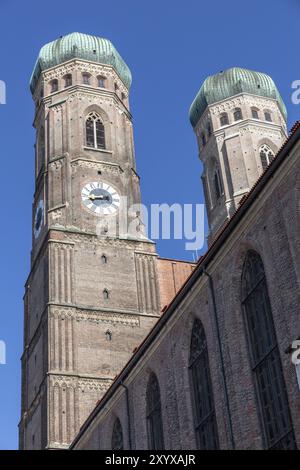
x=232 y=82
x=80 y=46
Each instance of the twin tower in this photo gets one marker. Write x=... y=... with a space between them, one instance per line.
x=91 y=298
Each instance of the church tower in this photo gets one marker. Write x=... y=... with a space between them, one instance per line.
x=92 y=292
x=240 y=123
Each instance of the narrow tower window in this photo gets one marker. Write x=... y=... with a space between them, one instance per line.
x=268 y=116
x=203 y=139
x=41 y=150
x=204 y=410
x=68 y=80
x=103 y=259
x=218 y=184
x=224 y=119
x=105 y=294
x=117 y=436
x=86 y=77
x=266 y=155
x=108 y=335
x=208 y=128
x=254 y=112
x=237 y=115
x=265 y=357
x=54 y=86
x=154 y=417
x=95 y=135
x=101 y=81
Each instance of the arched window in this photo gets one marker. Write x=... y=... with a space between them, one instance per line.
x=218 y=184
x=117 y=436
x=203 y=139
x=103 y=259
x=95 y=136
x=154 y=418
x=264 y=356
x=101 y=81
x=224 y=119
x=237 y=114
x=68 y=80
x=54 y=85
x=254 y=112
x=86 y=78
x=202 y=394
x=268 y=116
x=266 y=155
x=105 y=294
x=41 y=149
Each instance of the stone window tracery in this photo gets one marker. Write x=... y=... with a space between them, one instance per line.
x=95 y=132
x=265 y=357
x=202 y=394
x=266 y=155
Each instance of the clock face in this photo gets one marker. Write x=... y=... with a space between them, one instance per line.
x=100 y=198
x=38 y=218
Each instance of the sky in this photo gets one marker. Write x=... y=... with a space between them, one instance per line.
x=170 y=47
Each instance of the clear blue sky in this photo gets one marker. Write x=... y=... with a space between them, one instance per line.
x=170 y=46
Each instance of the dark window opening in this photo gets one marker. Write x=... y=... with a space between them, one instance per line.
x=68 y=80
x=117 y=436
x=154 y=416
x=237 y=115
x=224 y=119
x=204 y=410
x=265 y=357
x=54 y=86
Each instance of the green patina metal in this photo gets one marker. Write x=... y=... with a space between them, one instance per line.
x=232 y=82
x=80 y=46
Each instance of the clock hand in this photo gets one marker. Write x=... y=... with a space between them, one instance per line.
x=101 y=197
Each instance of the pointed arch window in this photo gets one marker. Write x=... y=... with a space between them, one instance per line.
x=266 y=155
x=117 y=436
x=224 y=121
x=202 y=394
x=237 y=115
x=264 y=356
x=218 y=184
x=95 y=134
x=154 y=416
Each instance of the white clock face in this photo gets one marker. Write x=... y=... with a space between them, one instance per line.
x=38 y=218
x=100 y=198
